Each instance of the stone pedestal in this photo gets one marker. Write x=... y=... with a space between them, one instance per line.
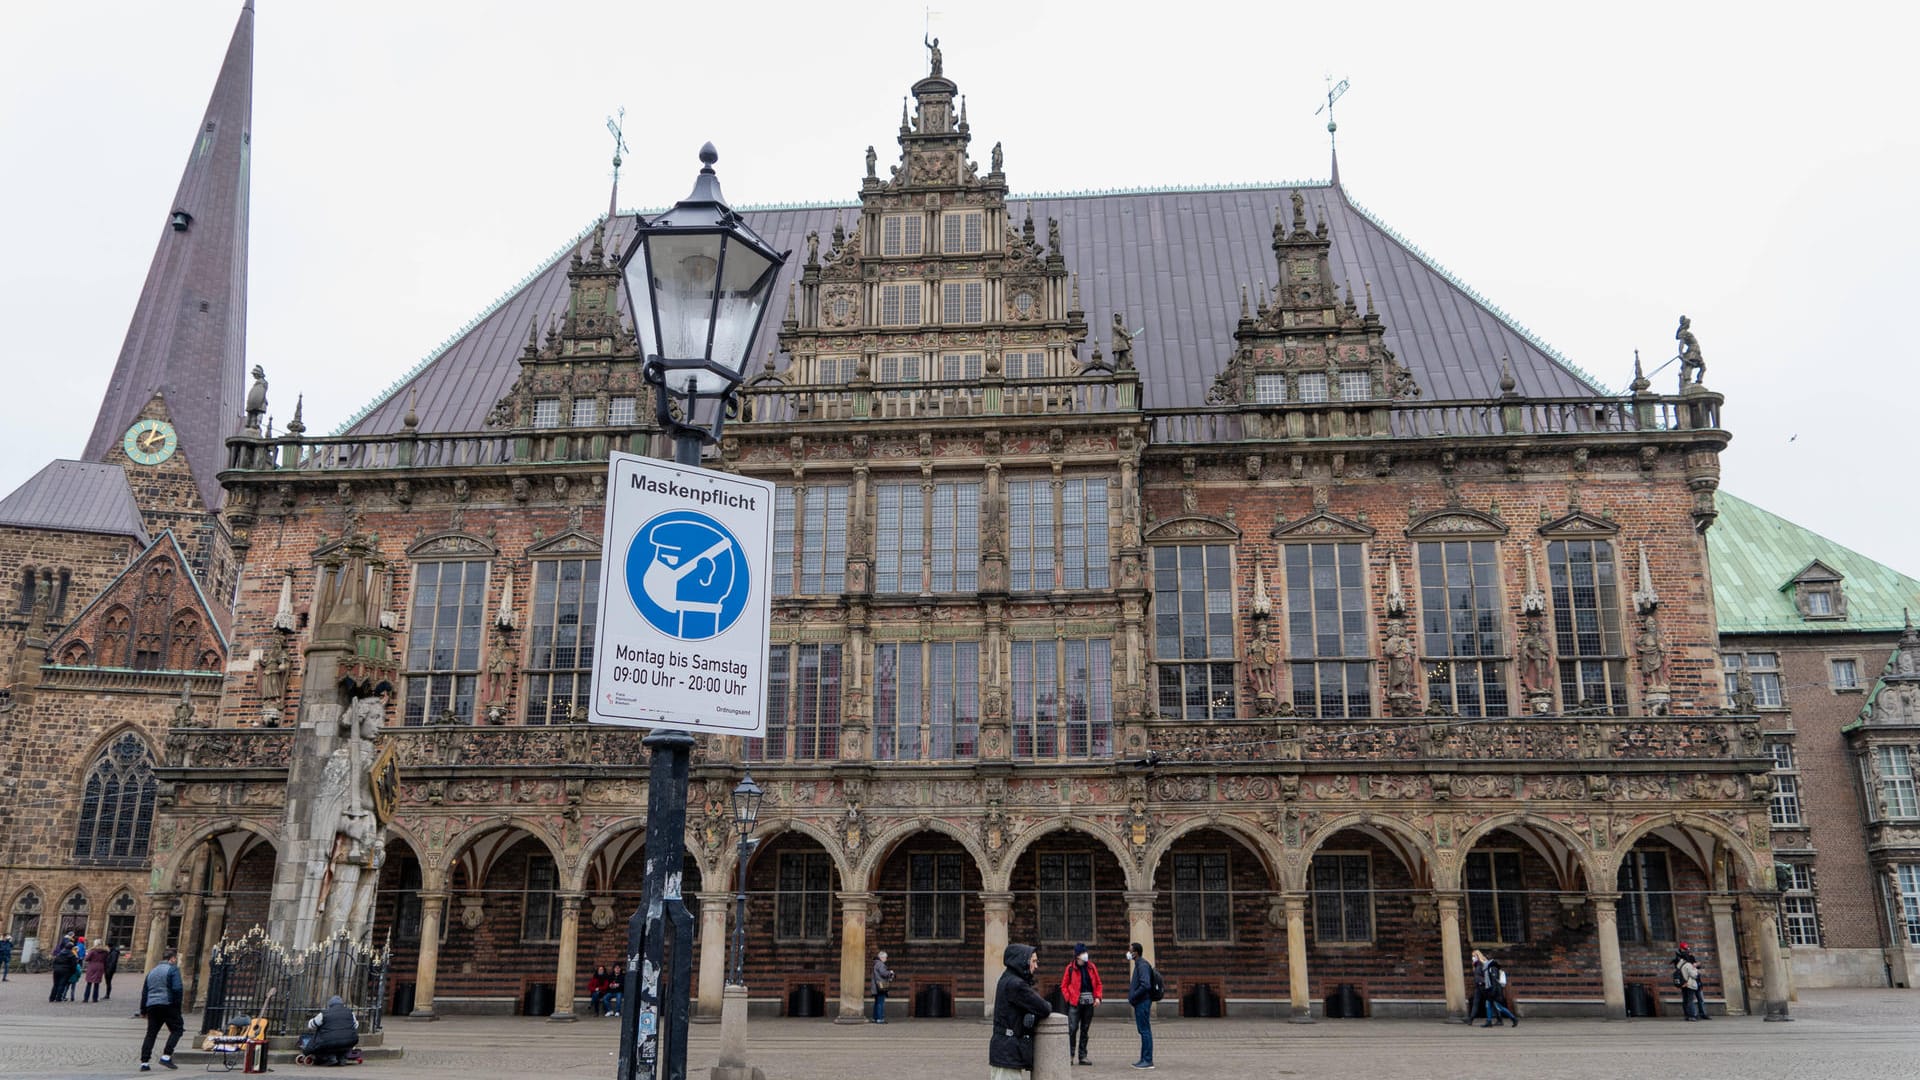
x=1051 y=1060
x=733 y=1038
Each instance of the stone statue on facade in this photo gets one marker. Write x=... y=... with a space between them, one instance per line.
x=257 y=399
x=1053 y=236
x=1652 y=654
x=1122 y=344
x=998 y=159
x=1691 y=363
x=1743 y=699
x=933 y=54
x=1536 y=658
x=1398 y=652
x=873 y=164
x=1262 y=659
x=274 y=667
x=183 y=713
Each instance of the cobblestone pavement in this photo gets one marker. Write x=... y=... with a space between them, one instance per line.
x=1837 y=1034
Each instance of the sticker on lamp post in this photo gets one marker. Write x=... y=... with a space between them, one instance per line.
x=684 y=599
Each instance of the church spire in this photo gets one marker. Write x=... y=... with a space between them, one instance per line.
x=187 y=340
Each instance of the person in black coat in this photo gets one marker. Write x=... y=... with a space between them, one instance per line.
x=65 y=964
x=331 y=1033
x=1017 y=1009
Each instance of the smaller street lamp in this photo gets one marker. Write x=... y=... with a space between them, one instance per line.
x=746 y=808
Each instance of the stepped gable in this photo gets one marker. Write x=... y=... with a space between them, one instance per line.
x=76 y=496
x=187 y=339
x=1173 y=263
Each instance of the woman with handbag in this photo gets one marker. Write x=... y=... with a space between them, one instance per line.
x=882 y=982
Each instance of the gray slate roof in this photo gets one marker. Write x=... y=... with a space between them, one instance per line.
x=1172 y=261
x=76 y=496
x=188 y=336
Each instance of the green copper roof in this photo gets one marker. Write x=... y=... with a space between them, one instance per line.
x=1755 y=554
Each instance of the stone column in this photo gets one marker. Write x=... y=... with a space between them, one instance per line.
x=565 y=974
x=159 y=910
x=853 y=957
x=1727 y=946
x=216 y=908
x=1606 y=928
x=1451 y=960
x=1140 y=921
x=1302 y=1005
x=713 y=954
x=998 y=907
x=427 y=967
x=1773 y=969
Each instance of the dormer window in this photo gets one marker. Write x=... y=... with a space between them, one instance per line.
x=1818 y=592
x=1819 y=604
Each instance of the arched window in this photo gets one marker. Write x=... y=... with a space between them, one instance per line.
x=120 y=915
x=116 y=813
x=184 y=641
x=25 y=603
x=73 y=914
x=115 y=629
x=26 y=917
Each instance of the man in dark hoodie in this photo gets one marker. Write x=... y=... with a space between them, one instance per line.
x=331 y=1033
x=1017 y=1009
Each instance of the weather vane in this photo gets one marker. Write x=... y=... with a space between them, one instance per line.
x=1334 y=93
x=615 y=125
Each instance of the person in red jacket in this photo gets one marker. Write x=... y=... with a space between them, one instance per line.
x=600 y=986
x=1080 y=987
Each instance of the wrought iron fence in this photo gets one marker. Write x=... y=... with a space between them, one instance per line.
x=251 y=977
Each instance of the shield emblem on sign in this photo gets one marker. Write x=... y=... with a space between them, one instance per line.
x=386 y=783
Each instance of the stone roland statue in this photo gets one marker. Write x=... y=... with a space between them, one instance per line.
x=343 y=809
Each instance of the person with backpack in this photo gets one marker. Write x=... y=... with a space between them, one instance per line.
x=1496 y=990
x=1144 y=988
x=1686 y=976
x=1017 y=1010
x=161 y=996
x=1080 y=989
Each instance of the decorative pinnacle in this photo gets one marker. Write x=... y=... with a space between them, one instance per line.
x=1641 y=384
x=1396 y=599
x=708 y=155
x=412 y=419
x=296 y=426
x=1645 y=600
x=1533 y=601
x=1507 y=383
x=1262 y=601
x=1243 y=300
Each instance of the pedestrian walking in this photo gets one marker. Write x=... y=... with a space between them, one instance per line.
x=1017 y=1010
x=1080 y=989
x=1143 y=989
x=161 y=995
x=6 y=956
x=882 y=982
x=1686 y=976
x=96 y=969
x=113 y=965
x=64 y=966
x=1498 y=1013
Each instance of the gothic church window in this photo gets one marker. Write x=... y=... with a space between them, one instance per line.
x=183 y=642
x=803 y=705
x=28 y=584
x=1461 y=627
x=926 y=700
x=116 y=805
x=1193 y=630
x=565 y=597
x=1327 y=641
x=120 y=916
x=810 y=540
x=116 y=630
x=443 y=640
x=26 y=917
x=1063 y=698
x=74 y=912
x=1586 y=623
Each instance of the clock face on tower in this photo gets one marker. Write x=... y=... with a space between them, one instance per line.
x=151 y=442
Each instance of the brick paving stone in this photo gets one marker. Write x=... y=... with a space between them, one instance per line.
x=1855 y=1034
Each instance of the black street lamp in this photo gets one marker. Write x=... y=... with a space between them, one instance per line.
x=698 y=281
x=746 y=808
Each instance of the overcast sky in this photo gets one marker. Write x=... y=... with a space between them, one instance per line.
x=1593 y=170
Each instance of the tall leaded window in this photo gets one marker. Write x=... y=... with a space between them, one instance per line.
x=1076 y=540
x=803 y=705
x=964 y=232
x=1905 y=908
x=120 y=916
x=805 y=896
x=1496 y=898
x=1461 y=627
x=443 y=640
x=407 y=912
x=936 y=897
x=1065 y=899
x=565 y=595
x=1646 y=897
x=1063 y=698
x=962 y=302
x=1083 y=533
x=1193 y=630
x=1763 y=672
x=25 y=922
x=540 y=913
x=926 y=700
x=1586 y=623
x=1799 y=918
x=116 y=806
x=1342 y=897
x=900 y=305
x=1331 y=658
x=927 y=536
x=1896 y=782
x=810 y=540
x=900 y=234
x=1202 y=897
x=1030 y=534
x=1786 y=784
